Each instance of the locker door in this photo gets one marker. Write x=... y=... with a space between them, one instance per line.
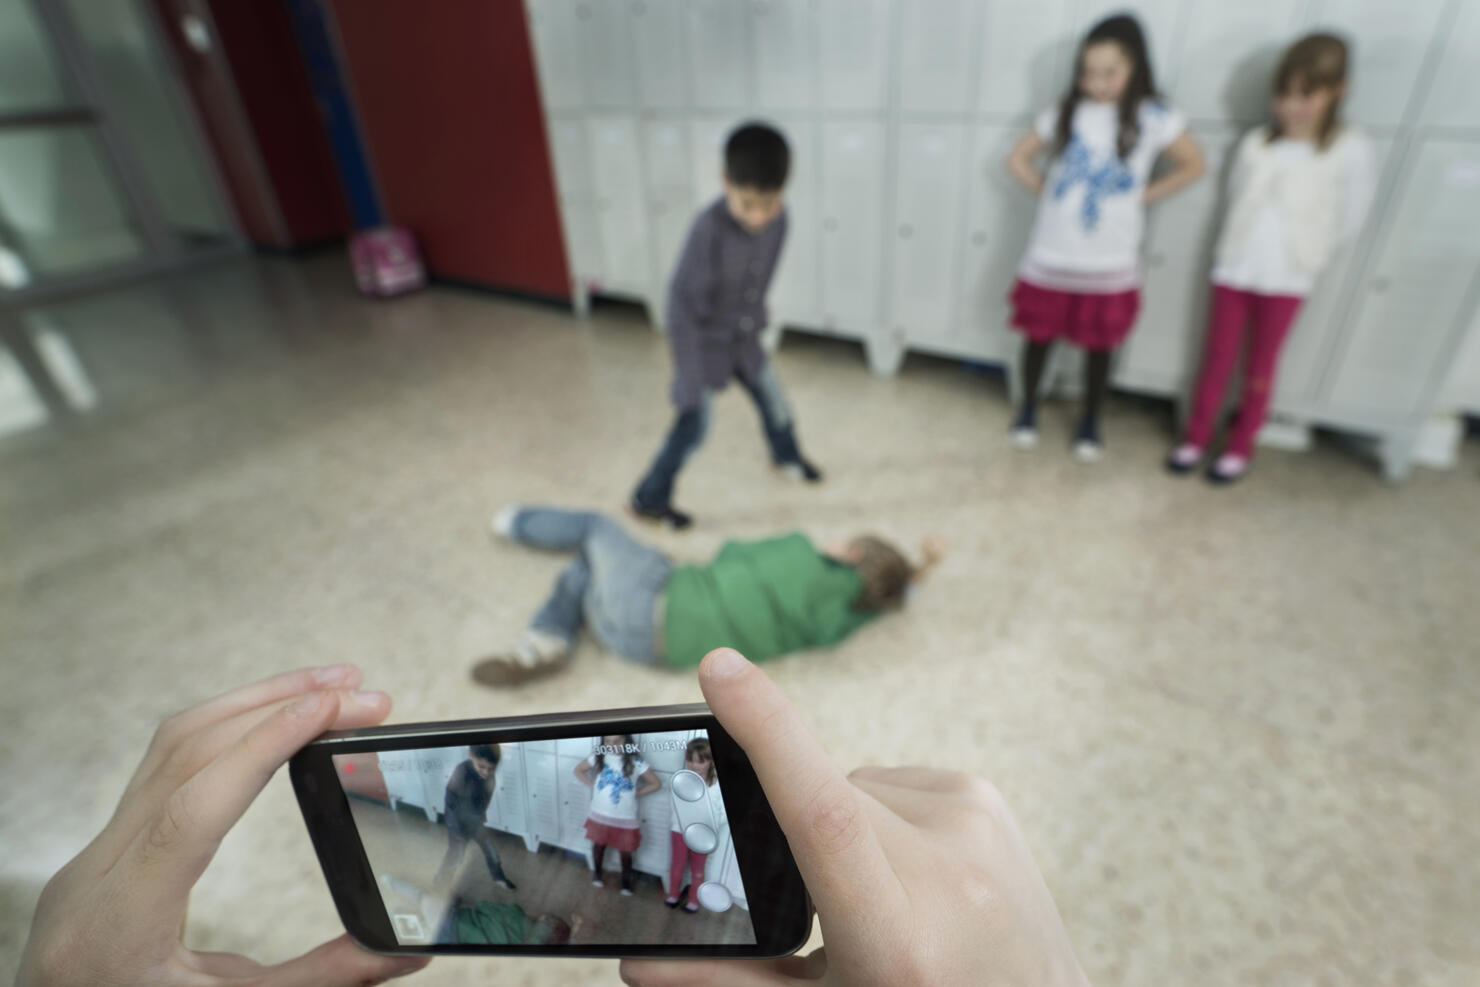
x=1407 y=323
x=1308 y=347
x=927 y=198
x=853 y=53
x=542 y=796
x=605 y=29
x=707 y=158
x=575 y=804
x=507 y=811
x=1390 y=42
x=1161 y=354
x=1026 y=49
x=621 y=216
x=557 y=46
x=654 y=815
x=718 y=59
x=999 y=216
x=852 y=188
x=934 y=51
x=785 y=53
x=402 y=781
x=577 y=198
x=1451 y=101
x=1228 y=55
x=659 y=47
x=794 y=297
x=670 y=195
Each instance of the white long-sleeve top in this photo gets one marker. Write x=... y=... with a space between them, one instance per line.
x=1290 y=207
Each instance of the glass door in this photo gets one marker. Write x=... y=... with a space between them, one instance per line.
x=101 y=169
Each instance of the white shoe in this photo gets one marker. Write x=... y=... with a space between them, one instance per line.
x=598 y=883
x=1025 y=439
x=626 y=892
x=1088 y=451
x=503 y=521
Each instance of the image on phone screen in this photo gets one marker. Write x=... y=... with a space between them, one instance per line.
x=611 y=840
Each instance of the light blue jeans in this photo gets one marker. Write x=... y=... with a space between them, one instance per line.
x=612 y=586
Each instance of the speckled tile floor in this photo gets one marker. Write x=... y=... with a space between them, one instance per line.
x=1239 y=727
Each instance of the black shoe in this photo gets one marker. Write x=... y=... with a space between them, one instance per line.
x=801 y=470
x=679 y=900
x=675 y=519
x=504 y=882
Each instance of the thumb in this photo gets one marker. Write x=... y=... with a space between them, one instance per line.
x=341 y=963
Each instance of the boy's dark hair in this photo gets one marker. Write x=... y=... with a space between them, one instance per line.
x=486 y=752
x=884 y=571
x=1125 y=31
x=1316 y=61
x=756 y=156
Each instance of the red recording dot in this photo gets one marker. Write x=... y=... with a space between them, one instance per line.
x=349 y=769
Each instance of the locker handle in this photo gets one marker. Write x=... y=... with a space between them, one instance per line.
x=906 y=231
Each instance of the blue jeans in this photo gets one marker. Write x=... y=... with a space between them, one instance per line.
x=692 y=424
x=612 y=586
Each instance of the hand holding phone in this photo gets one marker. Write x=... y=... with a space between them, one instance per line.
x=115 y=912
x=918 y=876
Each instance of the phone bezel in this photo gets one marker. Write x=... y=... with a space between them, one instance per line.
x=780 y=911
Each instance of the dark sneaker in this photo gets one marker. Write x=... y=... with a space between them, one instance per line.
x=801 y=470
x=675 y=519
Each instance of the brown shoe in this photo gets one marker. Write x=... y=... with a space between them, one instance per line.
x=506 y=671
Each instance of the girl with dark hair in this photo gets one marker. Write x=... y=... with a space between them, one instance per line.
x=1299 y=187
x=1080 y=278
x=698 y=757
x=617 y=777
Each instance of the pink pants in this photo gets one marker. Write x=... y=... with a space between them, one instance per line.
x=681 y=855
x=1259 y=324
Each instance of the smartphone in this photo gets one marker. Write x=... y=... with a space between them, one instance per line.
x=632 y=832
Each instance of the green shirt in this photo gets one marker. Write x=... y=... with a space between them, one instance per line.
x=490 y=924
x=762 y=598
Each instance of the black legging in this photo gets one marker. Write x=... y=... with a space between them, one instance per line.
x=598 y=857
x=1096 y=377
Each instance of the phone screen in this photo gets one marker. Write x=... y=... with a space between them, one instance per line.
x=598 y=841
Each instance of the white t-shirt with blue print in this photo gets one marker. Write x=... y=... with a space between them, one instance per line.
x=1092 y=213
x=614 y=796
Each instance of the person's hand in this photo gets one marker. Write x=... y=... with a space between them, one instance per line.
x=115 y=913
x=919 y=876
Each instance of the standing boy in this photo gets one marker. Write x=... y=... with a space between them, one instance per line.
x=469 y=791
x=716 y=312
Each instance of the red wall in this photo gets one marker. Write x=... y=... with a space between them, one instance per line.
x=450 y=111
x=258 y=41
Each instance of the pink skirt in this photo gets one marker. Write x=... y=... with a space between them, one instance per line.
x=618 y=837
x=1095 y=322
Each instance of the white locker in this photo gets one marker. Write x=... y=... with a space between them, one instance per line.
x=1160 y=357
x=575 y=805
x=1027 y=49
x=853 y=53
x=577 y=197
x=605 y=29
x=934 y=56
x=707 y=157
x=1408 y=315
x=654 y=816
x=507 y=810
x=1228 y=55
x=659 y=47
x=719 y=72
x=794 y=296
x=1451 y=101
x=1389 y=43
x=670 y=197
x=403 y=782
x=621 y=216
x=785 y=49
x=557 y=47
x=1307 y=349
x=927 y=216
x=1160 y=22
x=542 y=796
x=999 y=215
x=852 y=225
